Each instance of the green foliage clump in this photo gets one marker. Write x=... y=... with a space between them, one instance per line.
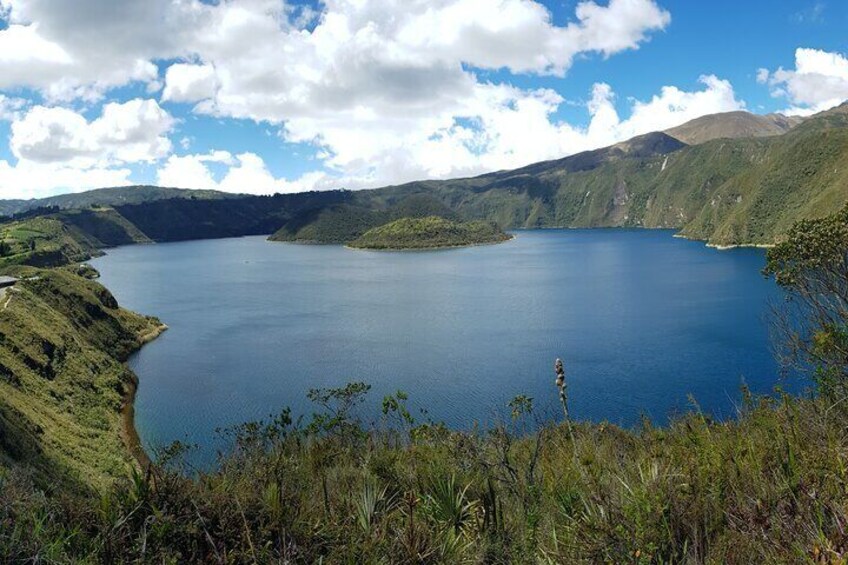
x=428 y=233
x=336 y=224
x=342 y=223
x=812 y=267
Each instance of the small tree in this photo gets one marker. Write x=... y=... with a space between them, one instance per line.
x=811 y=266
x=5 y=248
x=338 y=418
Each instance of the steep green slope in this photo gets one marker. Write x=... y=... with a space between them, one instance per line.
x=429 y=233
x=64 y=237
x=42 y=241
x=804 y=175
x=62 y=382
x=743 y=191
x=725 y=191
x=182 y=219
x=104 y=227
x=335 y=224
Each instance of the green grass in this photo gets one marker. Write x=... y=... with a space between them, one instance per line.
x=429 y=233
x=62 y=381
x=767 y=488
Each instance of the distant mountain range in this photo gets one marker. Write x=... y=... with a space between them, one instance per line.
x=732 y=125
x=117 y=196
x=732 y=178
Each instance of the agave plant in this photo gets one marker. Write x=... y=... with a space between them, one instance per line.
x=448 y=506
x=372 y=502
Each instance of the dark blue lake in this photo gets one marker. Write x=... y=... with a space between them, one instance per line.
x=641 y=319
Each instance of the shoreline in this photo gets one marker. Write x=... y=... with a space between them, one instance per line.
x=722 y=247
x=129 y=433
x=727 y=246
x=396 y=249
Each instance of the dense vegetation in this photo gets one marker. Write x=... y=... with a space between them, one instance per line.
x=768 y=487
x=62 y=381
x=53 y=237
x=344 y=223
x=428 y=233
x=42 y=241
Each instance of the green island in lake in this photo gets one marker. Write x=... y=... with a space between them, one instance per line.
x=431 y=232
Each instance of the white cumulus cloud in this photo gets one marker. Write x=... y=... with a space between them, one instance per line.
x=818 y=82
x=245 y=173
x=501 y=127
x=386 y=90
x=28 y=179
x=189 y=83
x=58 y=148
x=127 y=132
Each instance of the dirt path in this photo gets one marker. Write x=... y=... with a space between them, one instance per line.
x=3 y=292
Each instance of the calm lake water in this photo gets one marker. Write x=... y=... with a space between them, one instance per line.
x=641 y=319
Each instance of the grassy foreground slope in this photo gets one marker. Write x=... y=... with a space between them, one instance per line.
x=429 y=233
x=62 y=381
x=768 y=488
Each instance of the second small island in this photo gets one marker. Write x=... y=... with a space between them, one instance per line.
x=431 y=232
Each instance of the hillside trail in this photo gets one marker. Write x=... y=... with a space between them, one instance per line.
x=3 y=293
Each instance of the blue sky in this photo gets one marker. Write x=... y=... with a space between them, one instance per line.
x=264 y=96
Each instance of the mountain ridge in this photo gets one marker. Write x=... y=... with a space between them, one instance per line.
x=732 y=125
x=110 y=196
x=726 y=191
